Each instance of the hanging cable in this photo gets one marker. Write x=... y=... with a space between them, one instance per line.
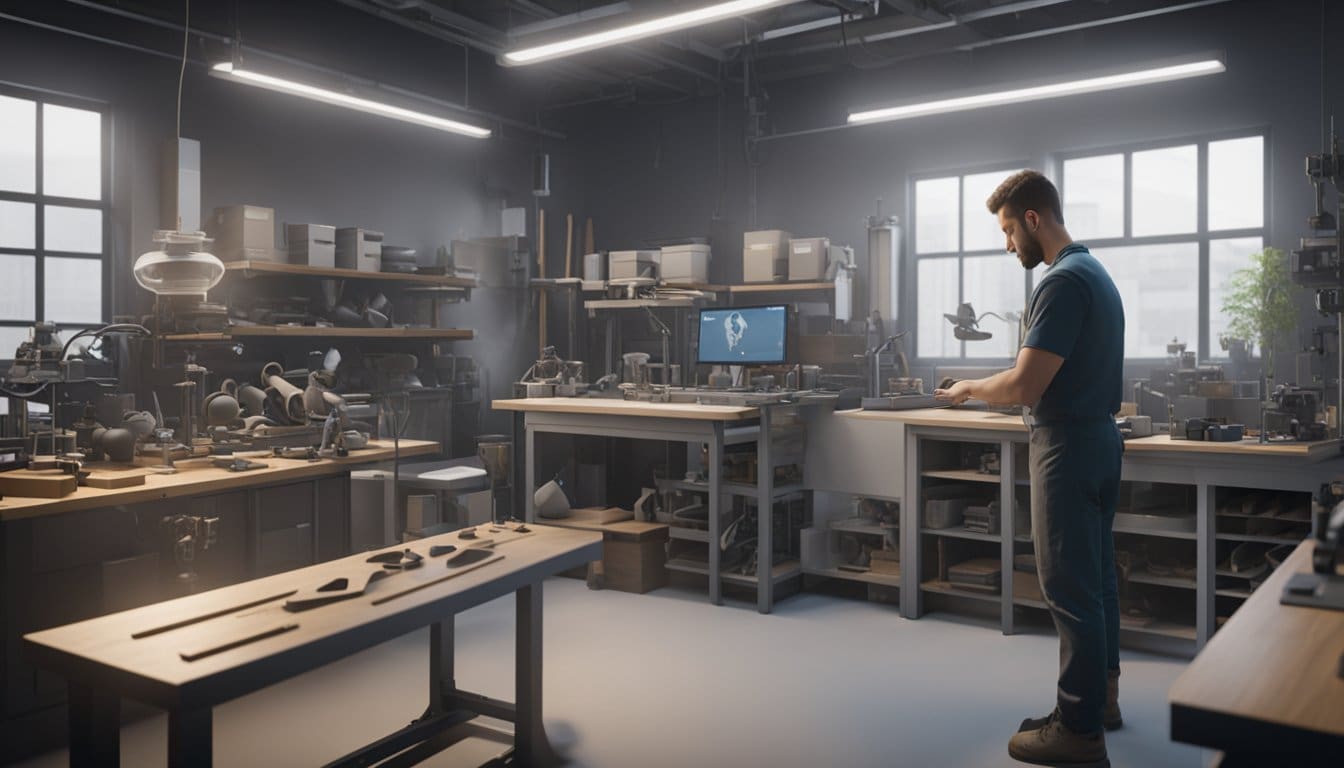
x=182 y=73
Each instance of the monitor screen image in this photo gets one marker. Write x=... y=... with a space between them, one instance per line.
x=743 y=335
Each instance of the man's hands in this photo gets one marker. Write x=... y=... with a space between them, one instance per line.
x=957 y=394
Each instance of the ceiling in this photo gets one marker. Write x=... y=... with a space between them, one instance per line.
x=796 y=40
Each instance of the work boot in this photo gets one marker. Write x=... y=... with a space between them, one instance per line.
x=1110 y=716
x=1054 y=744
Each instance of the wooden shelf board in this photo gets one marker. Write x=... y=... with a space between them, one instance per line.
x=961 y=533
x=947 y=588
x=1164 y=628
x=965 y=475
x=305 y=331
x=785 y=570
x=1162 y=581
x=1190 y=535
x=263 y=268
x=780 y=287
x=688 y=534
x=885 y=579
x=874 y=529
x=1262 y=539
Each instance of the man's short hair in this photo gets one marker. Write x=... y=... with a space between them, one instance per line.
x=1026 y=191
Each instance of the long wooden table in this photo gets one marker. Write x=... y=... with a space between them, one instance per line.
x=195 y=477
x=104 y=661
x=1266 y=690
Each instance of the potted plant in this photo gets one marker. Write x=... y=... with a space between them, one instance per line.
x=1260 y=304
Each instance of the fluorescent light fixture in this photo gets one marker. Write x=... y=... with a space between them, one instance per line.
x=630 y=32
x=228 y=71
x=1039 y=92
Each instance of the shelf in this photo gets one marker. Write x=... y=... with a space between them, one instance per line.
x=697 y=486
x=1027 y=591
x=1240 y=594
x=961 y=533
x=965 y=475
x=307 y=331
x=1163 y=628
x=1025 y=539
x=783 y=571
x=639 y=303
x=1261 y=539
x=780 y=287
x=947 y=588
x=749 y=489
x=265 y=268
x=885 y=579
x=1281 y=518
x=1254 y=573
x=688 y=534
x=1161 y=581
x=1190 y=535
x=706 y=287
x=853 y=526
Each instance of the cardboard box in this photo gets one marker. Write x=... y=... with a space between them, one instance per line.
x=886 y=562
x=359 y=249
x=808 y=258
x=624 y=265
x=765 y=256
x=312 y=244
x=243 y=233
x=685 y=264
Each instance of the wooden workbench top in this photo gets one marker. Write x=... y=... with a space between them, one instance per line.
x=610 y=407
x=196 y=477
x=955 y=418
x=1270 y=664
x=101 y=652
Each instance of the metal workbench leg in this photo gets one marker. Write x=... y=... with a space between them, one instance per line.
x=95 y=727
x=1206 y=556
x=1007 y=495
x=765 y=516
x=912 y=600
x=442 y=684
x=531 y=746
x=189 y=738
x=516 y=508
x=715 y=474
x=530 y=473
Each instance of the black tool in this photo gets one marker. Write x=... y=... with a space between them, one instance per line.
x=469 y=556
x=403 y=560
x=230 y=645
x=441 y=549
x=469 y=533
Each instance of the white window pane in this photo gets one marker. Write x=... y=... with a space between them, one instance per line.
x=1094 y=196
x=938 y=291
x=78 y=230
x=18 y=225
x=994 y=284
x=936 y=215
x=73 y=290
x=17 y=298
x=72 y=151
x=1159 y=285
x=980 y=228
x=11 y=336
x=1237 y=183
x=1165 y=190
x=18 y=145
x=1225 y=258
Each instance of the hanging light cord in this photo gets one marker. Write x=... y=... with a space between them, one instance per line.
x=182 y=73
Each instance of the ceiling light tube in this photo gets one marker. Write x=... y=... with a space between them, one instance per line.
x=228 y=71
x=630 y=32
x=1039 y=92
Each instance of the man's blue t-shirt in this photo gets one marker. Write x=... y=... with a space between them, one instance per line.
x=1076 y=313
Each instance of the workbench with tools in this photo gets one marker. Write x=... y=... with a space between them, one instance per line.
x=100 y=550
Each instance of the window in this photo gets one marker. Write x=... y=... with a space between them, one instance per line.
x=960 y=257
x=1166 y=220
x=53 y=214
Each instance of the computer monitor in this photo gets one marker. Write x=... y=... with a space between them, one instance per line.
x=744 y=335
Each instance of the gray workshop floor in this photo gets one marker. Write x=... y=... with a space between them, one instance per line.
x=665 y=679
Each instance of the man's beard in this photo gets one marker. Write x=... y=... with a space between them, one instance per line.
x=1030 y=253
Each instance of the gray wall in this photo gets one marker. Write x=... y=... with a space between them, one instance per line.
x=653 y=171
x=308 y=161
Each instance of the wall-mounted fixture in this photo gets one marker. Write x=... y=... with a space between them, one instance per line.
x=1128 y=79
x=228 y=71
x=637 y=31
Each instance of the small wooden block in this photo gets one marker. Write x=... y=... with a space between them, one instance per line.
x=40 y=484
x=109 y=481
x=599 y=515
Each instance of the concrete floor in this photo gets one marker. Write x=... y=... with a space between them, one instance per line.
x=666 y=679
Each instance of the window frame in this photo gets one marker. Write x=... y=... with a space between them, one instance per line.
x=39 y=199
x=912 y=239
x=1201 y=235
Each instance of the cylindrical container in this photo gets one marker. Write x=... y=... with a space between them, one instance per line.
x=496 y=455
x=595 y=266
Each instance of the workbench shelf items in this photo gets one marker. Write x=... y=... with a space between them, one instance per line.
x=256 y=269
x=854 y=538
